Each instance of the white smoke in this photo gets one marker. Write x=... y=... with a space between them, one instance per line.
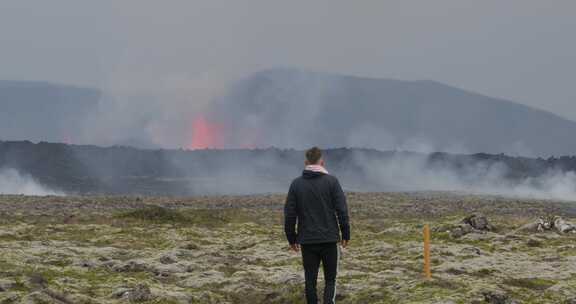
x=553 y=185
x=150 y=111
x=289 y=112
x=414 y=172
x=13 y=182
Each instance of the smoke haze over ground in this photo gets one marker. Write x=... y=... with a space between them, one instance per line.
x=290 y=108
x=418 y=172
x=199 y=74
x=12 y=182
x=118 y=170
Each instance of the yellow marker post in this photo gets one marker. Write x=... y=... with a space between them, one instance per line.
x=427 y=271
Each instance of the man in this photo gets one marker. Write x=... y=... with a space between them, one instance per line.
x=317 y=203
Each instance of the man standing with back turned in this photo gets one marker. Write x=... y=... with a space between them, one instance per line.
x=317 y=203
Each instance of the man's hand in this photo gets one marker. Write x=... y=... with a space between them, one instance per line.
x=295 y=247
x=344 y=243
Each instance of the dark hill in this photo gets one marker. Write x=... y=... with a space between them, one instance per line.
x=121 y=170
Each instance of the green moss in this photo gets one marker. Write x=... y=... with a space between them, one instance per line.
x=440 y=283
x=219 y=238
x=58 y=262
x=534 y=243
x=435 y=290
x=380 y=296
x=155 y=214
x=483 y=272
x=530 y=283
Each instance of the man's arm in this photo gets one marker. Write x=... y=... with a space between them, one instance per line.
x=290 y=216
x=341 y=211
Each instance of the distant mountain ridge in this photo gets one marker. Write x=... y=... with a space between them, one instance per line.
x=42 y=111
x=289 y=108
x=295 y=108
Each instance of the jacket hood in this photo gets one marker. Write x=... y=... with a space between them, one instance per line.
x=311 y=174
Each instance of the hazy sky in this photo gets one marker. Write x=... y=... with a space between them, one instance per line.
x=522 y=50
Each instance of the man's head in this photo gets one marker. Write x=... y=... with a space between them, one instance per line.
x=314 y=157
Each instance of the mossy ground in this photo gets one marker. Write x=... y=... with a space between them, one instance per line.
x=232 y=250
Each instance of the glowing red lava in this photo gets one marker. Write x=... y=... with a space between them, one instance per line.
x=205 y=134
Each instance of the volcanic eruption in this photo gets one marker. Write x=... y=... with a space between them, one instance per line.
x=205 y=134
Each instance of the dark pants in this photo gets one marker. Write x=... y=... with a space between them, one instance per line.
x=312 y=255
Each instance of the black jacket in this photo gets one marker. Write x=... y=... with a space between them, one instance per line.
x=317 y=203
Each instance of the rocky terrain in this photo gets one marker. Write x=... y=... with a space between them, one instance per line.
x=231 y=249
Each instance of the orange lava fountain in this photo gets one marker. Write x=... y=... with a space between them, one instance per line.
x=205 y=135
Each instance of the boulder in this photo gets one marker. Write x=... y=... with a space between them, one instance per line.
x=478 y=222
x=140 y=293
x=471 y=251
x=497 y=298
x=37 y=281
x=549 y=223
x=564 y=227
x=460 y=231
x=120 y=292
x=470 y=224
x=168 y=259
x=7 y=284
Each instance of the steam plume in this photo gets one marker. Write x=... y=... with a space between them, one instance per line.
x=12 y=182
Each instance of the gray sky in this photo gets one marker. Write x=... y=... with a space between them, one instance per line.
x=522 y=50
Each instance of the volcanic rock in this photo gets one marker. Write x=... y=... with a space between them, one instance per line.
x=140 y=293
x=131 y=266
x=549 y=223
x=7 y=284
x=497 y=298
x=168 y=259
x=478 y=222
x=472 y=223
